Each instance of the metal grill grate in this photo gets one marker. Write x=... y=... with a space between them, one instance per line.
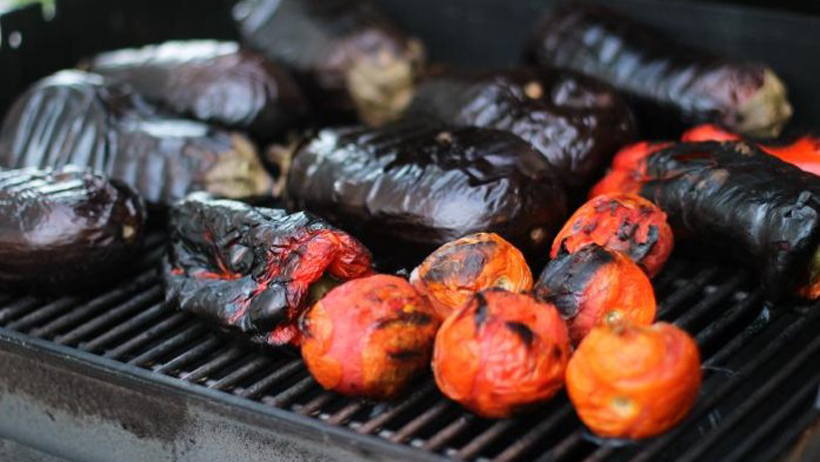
x=760 y=372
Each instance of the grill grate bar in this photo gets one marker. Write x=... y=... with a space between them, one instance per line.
x=154 y=311
x=729 y=317
x=208 y=343
x=148 y=297
x=380 y=420
x=427 y=417
x=686 y=291
x=46 y=311
x=281 y=373
x=185 y=336
x=739 y=341
x=752 y=401
x=716 y=394
x=240 y=374
x=563 y=448
x=315 y=405
x=219 y=361
x=17 y=308
x=533 y=436
x=147 y=335
x=687 y=319
x=346 y=413
x=116 y=296
x=452 y=430
x=284 y=398
x=486 y=438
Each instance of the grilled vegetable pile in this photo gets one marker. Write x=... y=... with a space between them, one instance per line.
x=252 y=269
x=640 y=61
x=61 y=230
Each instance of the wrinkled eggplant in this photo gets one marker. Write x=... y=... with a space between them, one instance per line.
x=426 y=185
x=252 y=270
x=732 y=195
x=665 y=76
x=87 y=120
x=215 y=82
x=60 y=230
x=347 y=54
x=576 y=122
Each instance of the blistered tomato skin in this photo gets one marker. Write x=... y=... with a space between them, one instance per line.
x=369 y=337
x=625 y=223
x=458 y=269
x=501 y=353
x=635 y=382
x=628 y=169
x=595 y=286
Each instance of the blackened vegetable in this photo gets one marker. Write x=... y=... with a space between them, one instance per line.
x=369 y=337
x=251 y=269
x=577 y=123
x=347 y=53
x=60 y=230
x=216 y=82
x=421 y=184
x=595 y=40
x=594 y=286
x=734 y=196
x=86 y=120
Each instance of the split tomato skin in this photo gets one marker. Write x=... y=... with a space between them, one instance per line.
x=460 y=268
x=501 y=353
x=622 y=222
x=629 y=381
x=595 y=286
x=369 y=337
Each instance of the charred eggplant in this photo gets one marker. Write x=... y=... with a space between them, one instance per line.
x=577 y=123
x=86 y=120
x=61 y=229
x=215 y=82
x=253 y=269
x=697 y=86
x=426 y=185
x=735 y=196
x=348 y=54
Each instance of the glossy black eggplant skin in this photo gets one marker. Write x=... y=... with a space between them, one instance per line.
x=670 y=82
x=425 y=185
x=734 y=196
x=65 y=230
x=83 y=119
x=577 y=123
x=348 y=55
x=211 y=81
x=249 y=269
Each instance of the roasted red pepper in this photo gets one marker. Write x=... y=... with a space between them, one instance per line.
x=628 y=381
x=626 y=223
x=251 y=269
x=501 y=353
x=803 y=151
x=596 y=286
x=458 y=269
x=369 y=337
x=628 y=169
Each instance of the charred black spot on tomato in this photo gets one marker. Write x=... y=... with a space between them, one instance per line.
x=83 y=119
x=481 y=310
x=265 y=300
x=406 y=355
x=522 y=331
x=557 y=353
x=60 y=230
x=746 y=213
x=414 y=318
x=564 y=280
x=467 y=268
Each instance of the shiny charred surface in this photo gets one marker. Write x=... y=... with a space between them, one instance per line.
x=577 y=123
x=211 y=81
x=369 y=337
x=636 y=59
x=347 y=54
x=426 y=185
x=595 y=286
x=61 y=229
x=634 y=382
x=501 y=353
x=86 y=120
x=735 y=197
x=625 y=223
x=251 y=269
x=458 y=269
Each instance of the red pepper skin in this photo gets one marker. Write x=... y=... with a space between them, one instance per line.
x=804 y=151
x=250 y=269
x=626 y=223
x=501 y=353
x=369 y=337
x=628 y=169
x=458 y=269
x=595 y=286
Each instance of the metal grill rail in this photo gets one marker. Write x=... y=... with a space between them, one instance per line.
x=753 y=357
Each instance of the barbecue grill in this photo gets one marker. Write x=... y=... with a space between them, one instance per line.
x=118 y=375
